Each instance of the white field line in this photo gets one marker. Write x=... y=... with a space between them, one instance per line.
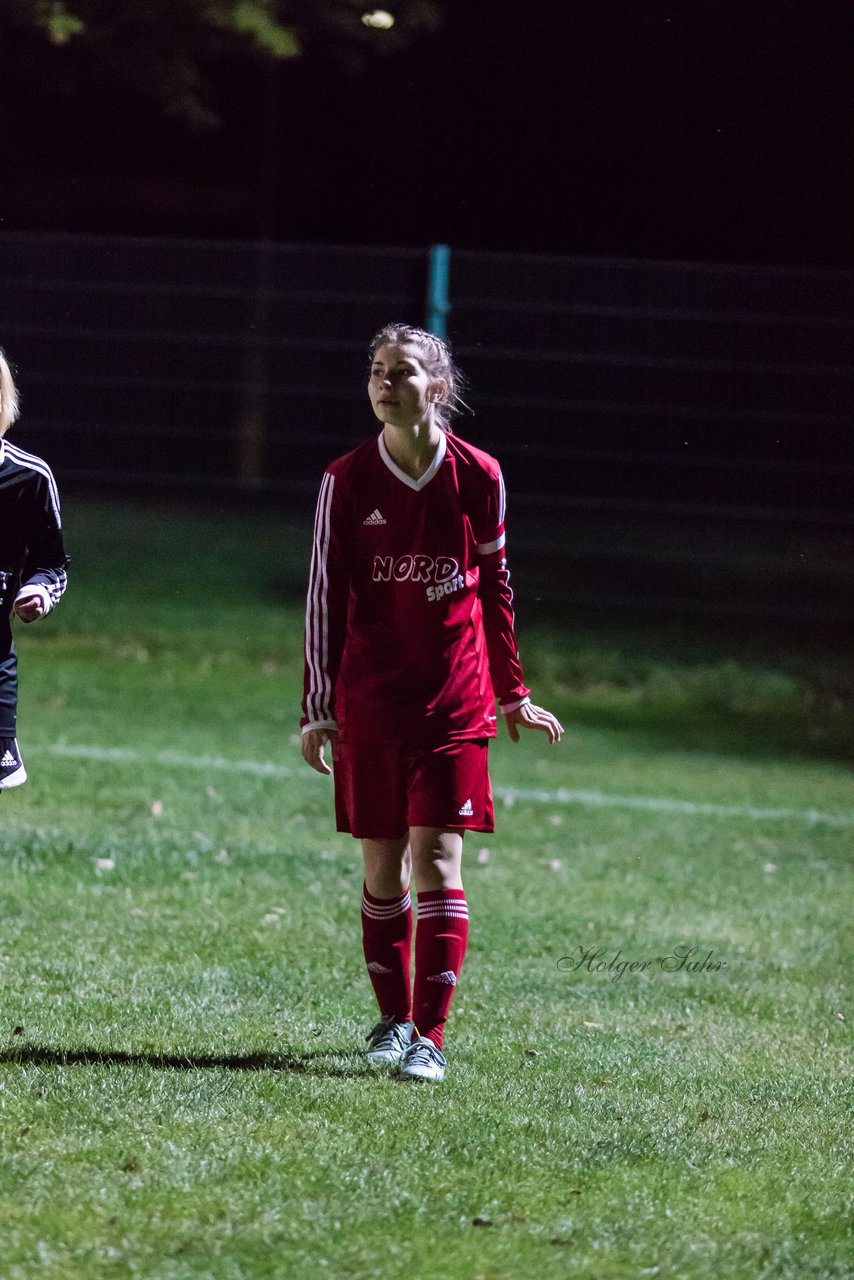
x=531 y=795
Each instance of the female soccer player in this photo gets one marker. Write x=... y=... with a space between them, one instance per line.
x=409 y=638
x=32 y=564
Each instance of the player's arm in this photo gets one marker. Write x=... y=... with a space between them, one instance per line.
x=496 y=596
x=325 y=624
x=44 y=573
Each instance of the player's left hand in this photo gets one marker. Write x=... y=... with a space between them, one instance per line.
x=530 y=717
x=29 y=608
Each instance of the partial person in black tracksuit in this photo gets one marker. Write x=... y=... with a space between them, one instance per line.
x=33 y=564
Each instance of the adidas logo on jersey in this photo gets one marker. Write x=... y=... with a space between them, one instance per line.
x=466 y=811
x=448 y=978
x=8 y=761
x=375 y=517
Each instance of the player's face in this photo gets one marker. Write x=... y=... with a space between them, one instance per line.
x=400 y=388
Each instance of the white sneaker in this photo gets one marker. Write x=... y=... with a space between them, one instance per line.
x=422 y=1061
x=388 y=1041
x=12 y=771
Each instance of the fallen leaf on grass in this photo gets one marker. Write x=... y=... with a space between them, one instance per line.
x=483 y=855
x=18 y=1031
x=130 y=1166
x=105 y=864
x=555 y=864
x=157 y=809
x=840 y=1017
x=770 y=866
x=22 y=1133
x=481 y=1222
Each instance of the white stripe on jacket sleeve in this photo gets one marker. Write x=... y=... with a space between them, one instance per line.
x=319 y=693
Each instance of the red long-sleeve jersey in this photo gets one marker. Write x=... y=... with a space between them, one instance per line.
x=409 y=619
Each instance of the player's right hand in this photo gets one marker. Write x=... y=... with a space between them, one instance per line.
x=313 y=744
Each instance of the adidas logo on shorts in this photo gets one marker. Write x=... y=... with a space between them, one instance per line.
x=375 y=517
x=8 y=761
x=466 y=811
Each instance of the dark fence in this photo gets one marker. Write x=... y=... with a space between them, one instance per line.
x=674 y=436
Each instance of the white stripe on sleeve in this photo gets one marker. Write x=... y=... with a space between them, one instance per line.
x=40 y=466
x=317 y=610
x=487 y=548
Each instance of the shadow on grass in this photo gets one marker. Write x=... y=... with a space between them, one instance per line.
x=320 y=1062
x=694 y=729
x=748 y=694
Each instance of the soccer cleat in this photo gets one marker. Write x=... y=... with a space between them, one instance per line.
x=422 y=1061
x=12 y=771
x=387 y=1042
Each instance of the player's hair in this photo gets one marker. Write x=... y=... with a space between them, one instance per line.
x=8 y=395
x=437 y=360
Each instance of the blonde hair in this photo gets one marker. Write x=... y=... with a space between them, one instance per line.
x=8 y=395
x=437 y=360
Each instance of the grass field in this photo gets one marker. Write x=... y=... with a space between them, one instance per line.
x=182 y=1092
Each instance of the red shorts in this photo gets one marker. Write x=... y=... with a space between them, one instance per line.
x=381 y=791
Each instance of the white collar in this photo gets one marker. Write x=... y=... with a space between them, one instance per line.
x=395 y=470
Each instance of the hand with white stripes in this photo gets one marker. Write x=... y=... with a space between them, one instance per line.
x=30 y=608
x=313 y=744
x=530 y=717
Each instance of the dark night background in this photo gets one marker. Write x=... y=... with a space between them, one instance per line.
x=649 y=211
x=703 y=131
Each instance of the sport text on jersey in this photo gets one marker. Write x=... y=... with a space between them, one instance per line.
x=444 y=572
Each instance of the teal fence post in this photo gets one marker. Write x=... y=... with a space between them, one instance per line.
x=438 y=300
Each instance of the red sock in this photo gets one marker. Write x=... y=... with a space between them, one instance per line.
x=440 y=945
x=387 y=942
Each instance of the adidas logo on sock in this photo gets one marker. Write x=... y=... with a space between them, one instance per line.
x=8 y=761
x=466 y=811
x=375 y=517
x=448 y=978
x=376 y=967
